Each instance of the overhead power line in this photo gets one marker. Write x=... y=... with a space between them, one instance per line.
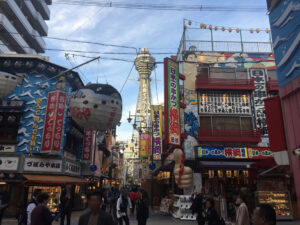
x=170 y=7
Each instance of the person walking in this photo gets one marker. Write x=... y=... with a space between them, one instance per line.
x=264 y=214
x=41 y=214
x=123 y=204
x=242 y=214
x=142 y=209
x=32 y=204
x=132 y=196
x=66 y=205
x=197 y=206
x=95 y=216
x=210 y=214
x=4 y=200
x=113 y=203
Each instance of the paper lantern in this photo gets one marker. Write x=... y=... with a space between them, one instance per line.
x=229 y=29
x=267 y=30
x=210 y=27
x=257 y=30
x=96 y=107
x=190 y=23
x=223 y=29
x=8 y=83
x=251 y=31
x=237 y=30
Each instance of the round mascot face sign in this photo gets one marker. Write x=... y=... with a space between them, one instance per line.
x=96 y=107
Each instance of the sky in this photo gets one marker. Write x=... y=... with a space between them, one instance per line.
x=160 y=31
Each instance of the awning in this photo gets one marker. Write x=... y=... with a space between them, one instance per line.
x=280 y=160
x=48 y=179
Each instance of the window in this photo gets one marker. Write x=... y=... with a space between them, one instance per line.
x=9 y=124
x=216 y=122
x=224 y=103
x=72 y=144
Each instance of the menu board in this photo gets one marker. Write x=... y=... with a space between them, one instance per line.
x=280 y=200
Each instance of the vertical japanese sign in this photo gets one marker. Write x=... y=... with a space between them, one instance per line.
x=59 y=122
x=54 y=121
x=172 y=108
x=87 y=145
x=37 y=113
x=156 y=120
x=144 y=145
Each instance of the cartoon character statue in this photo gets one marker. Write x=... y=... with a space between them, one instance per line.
x=183 y=174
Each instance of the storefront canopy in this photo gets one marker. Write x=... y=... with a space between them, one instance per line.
x=48 y=179
x=224 y=164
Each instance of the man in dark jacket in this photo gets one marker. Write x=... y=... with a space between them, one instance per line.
x=197 y=207
x=95 y=216
x=66 y=205
x=41 y=215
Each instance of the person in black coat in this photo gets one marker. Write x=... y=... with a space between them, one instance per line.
x=197 y=206
x=210 y=214
x=95 y=215
x=142 y=208
x=66 y=205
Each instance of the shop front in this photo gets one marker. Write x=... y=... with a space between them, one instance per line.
x=227 y=171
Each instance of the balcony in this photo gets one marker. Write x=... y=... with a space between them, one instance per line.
x=42 y=8
x=16 y=41
x=272 y=85
x=224 y=84
x=207 y=135
x=33 y=16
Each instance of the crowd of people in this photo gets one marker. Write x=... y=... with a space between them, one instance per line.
x=105 y=207
x=238 y=214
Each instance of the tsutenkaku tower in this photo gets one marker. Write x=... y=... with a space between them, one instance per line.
x=144 y=64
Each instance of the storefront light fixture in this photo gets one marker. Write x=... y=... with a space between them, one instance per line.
x=236 y=173
x=246 y=173
x=211 y=173
x=220 y=173
x=228 y=173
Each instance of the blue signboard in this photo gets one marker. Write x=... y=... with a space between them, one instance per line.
x=285 y=26
x=222 y=152
x=34 y=91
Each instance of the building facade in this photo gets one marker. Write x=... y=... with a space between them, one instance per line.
x=285 y=27
x=225 y=126
x=23 y=26
x=41 y=146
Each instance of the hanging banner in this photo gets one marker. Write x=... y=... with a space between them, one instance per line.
x=156 y=124
x=172 y=108
x=59 y=122
x=144 y=145
x=234 y=152
x=33 y=146
x=53 y=128
x=87 y=145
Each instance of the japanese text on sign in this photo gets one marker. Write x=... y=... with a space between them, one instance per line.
x=87 y=144
x=156 y=119
x=44 y=165
x=234 y=152
x=144 y=145
x=37 y=113
x=59 y=121
x=173 y=120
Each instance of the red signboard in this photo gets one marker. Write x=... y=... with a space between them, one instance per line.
x=87 y=145
x=54 y=121
x=59 y=121
x=172 y=107
x=49 y=121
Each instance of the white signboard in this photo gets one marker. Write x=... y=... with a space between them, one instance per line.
x=7 y=148
x=9 y=163
x=73 y=168
x=42 y=165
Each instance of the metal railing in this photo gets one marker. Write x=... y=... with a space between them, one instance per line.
x=225 y=46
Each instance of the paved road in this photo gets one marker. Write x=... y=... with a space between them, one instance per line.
x=156 y=219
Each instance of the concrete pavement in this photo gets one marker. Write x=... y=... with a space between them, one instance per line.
x=155 y=219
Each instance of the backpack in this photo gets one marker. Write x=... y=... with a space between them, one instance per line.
x=22 y=218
